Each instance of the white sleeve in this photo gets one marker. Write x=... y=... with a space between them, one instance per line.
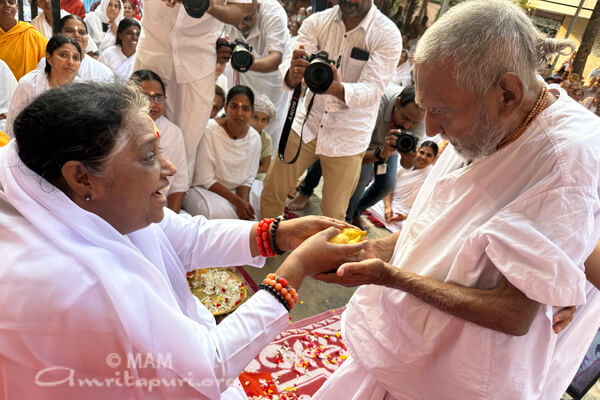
x=204 y=168
x=20 y=100
x=276 y=31
x=540 y=247
x=254 y=156
x=202 y=243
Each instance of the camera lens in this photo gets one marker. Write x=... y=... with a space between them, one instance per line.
x=241 y=58
x=318 y=76
x=405 y=143
x=196 y=8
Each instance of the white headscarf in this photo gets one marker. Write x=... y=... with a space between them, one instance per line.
x=100 y=12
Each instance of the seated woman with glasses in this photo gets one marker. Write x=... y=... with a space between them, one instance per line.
x=121 y=56
x=170 y=142
x=227 y=162
x=63 y=57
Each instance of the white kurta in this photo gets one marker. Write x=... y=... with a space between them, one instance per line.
x=229 y=162
x=43 y=26
x=96 y=18
x=172 y=148
x=408 y=183
x=402 y=75
x=8 y=84
x=119 y=63
x=79 y=298
x=270 y=33
x=90 y=70
x=528 y=212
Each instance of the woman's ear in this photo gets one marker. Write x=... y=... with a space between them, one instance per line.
x=512 y=91
x=78 y=180
x=49 y=58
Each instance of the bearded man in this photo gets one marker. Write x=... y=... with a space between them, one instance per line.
x=460 y=304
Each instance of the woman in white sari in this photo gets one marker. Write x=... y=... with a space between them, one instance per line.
x=43 y=22
x=90 y=70
x=104 y=20
x=63 y=57
x=92 y=283
x=120 y=57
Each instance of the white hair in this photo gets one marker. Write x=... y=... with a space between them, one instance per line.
x=484 y=39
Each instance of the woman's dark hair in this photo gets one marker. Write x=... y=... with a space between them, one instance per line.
x=220 y=92
x=57 y=41
x=432 y=145
x=76 y=122
x=69 y=17
x=147 y=75
x=241 y=89
x=123 y=25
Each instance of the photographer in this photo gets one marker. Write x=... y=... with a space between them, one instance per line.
x=181 y=49
x=366 y=46
x=398 y=112
x=265 y=31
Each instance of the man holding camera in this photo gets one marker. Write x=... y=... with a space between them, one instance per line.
x=398 y=112
x=366 y=46
x=265 y=30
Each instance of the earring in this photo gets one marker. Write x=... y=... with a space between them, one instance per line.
x=87 y=196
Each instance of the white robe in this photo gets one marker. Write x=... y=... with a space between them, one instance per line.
x=229 y=162
x=8 y=84
x=402 y=75
x=172 y=148
x=43 y=26
x=118 y=62
x=528 y=212
x=408 y=183
x=90 y=70
x=80 y=298
x=30 y=86
x=96 y=18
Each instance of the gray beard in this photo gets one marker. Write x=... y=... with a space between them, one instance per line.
x=482 y=140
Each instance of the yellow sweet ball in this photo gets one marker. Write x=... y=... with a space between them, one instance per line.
x=348 y=236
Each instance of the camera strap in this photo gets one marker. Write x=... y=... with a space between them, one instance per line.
x=287 y=127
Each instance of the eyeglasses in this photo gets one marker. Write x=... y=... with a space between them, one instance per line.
x=157 y=98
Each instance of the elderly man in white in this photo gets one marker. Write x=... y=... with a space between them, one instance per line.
x=462 y=307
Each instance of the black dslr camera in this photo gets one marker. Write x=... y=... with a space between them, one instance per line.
x=241 y=54
x=196 y=8
x=318 y=75
x=405 y=142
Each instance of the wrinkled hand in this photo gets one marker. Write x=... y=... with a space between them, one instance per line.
x=113 y=27
x=244 y=210
x=297 y=66
x=291 y=233
x=388 y=214
x=317 y=256
x=223 y=51
x=370 y=271
x=562 y=318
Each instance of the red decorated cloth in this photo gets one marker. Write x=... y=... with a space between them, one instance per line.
x=302 y=357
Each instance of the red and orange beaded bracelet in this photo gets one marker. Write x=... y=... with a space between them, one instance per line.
x=281 y=289
x=263 y=240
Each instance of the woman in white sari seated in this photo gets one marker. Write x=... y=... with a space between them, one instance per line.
x=8 y=84
x=63 y=57
x=120 y=57
x=227 y=161
x=104 y=20
x=394 y=207
x=90 y=69
x=93 y=277
x=171 y=143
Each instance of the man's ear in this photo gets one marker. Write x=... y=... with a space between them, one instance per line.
x=78 y=180
x=512 y=91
